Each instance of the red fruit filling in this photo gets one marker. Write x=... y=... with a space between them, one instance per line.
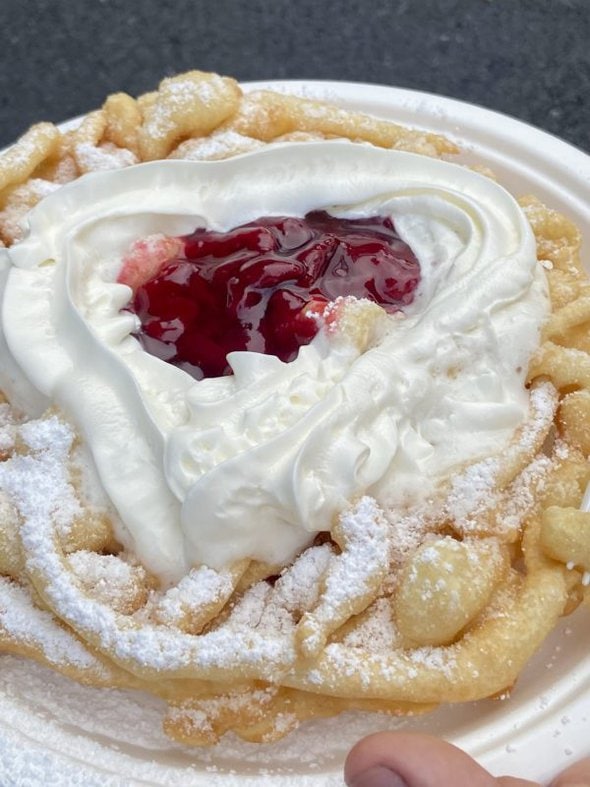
x=262 y=285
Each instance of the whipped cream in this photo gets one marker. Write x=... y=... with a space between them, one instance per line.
x=255 y=464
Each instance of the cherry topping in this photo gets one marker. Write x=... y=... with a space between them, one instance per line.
x=262 y=286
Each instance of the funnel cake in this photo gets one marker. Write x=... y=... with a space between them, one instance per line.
x=386 y=518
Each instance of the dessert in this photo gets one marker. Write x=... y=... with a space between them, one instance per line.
x=385 y=519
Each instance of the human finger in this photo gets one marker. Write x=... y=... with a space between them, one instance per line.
x=397 y=759
x=577 y=775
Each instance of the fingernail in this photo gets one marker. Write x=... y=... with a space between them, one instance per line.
x=377 y=776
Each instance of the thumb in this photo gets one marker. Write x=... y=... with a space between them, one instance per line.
x=577 y=775
x=399 y=759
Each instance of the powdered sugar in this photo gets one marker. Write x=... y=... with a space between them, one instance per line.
x=55 y=732
x=473 y=488
x=297 y=589
x=109 y=579
x=441 y=660
x=407 y=532
x=93 y=158
x=543 y=403
x=352 y=579
x=38 y=484
x=363 y=560
x=258 y=634
x=120 y=741
x=22 y=622
x=377 y=631
x=216 y=146
x=13 y=216
x=476 y=488
x=202 y=587
x=185 y=98
x=7 y=429
x=183 y=91
x=523 y=493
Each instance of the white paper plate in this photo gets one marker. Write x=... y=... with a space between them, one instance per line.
x=54 y=732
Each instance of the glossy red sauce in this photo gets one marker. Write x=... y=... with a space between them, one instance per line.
x=261 y=286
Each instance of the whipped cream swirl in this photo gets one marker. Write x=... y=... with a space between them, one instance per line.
x=255 y=464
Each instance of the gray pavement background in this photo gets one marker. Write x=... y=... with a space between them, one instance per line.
x=527 y=58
